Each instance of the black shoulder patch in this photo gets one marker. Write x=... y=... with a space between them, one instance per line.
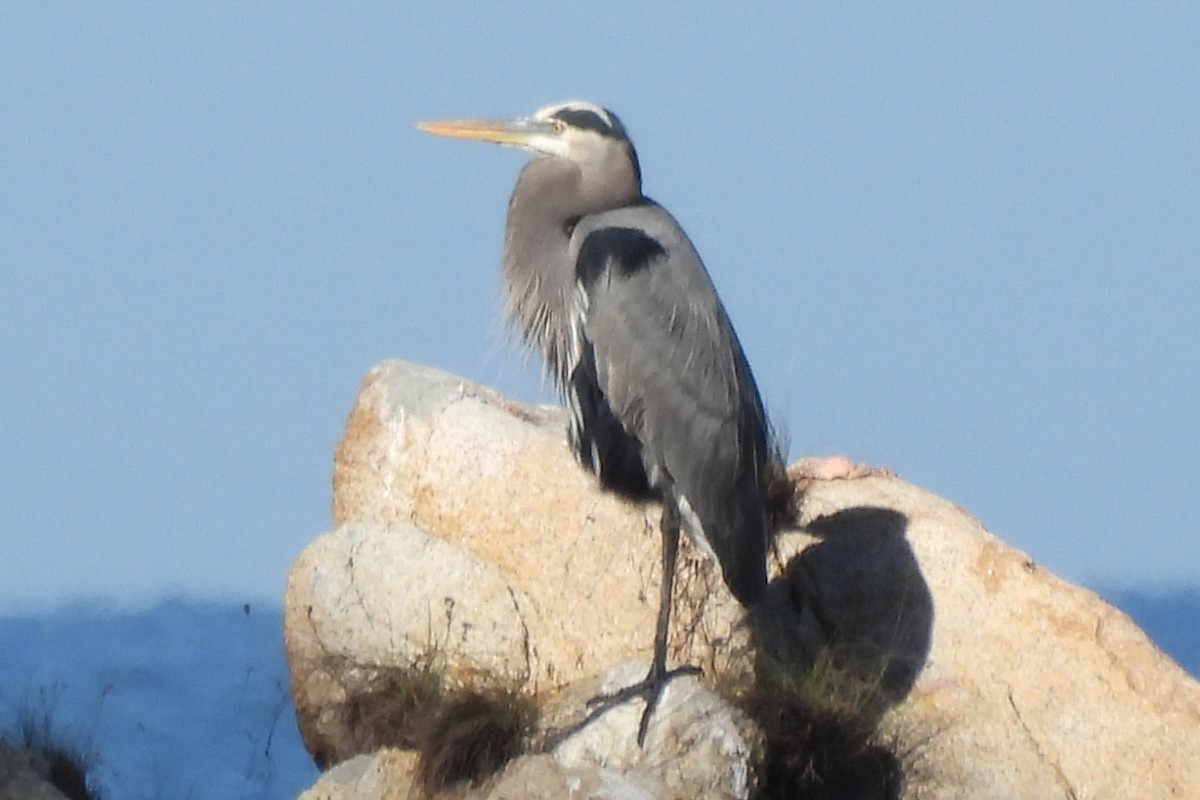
x=629 y=249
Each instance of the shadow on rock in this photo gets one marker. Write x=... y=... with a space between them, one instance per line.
x=857 y=596
x=841 y=636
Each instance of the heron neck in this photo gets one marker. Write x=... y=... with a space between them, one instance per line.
x=539 y=278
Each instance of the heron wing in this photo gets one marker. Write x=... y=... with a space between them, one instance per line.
x=660 y=358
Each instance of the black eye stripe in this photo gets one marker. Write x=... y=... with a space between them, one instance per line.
x=588 y=120
x=580 y=118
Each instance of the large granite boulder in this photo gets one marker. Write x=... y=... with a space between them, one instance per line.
x=467 y=539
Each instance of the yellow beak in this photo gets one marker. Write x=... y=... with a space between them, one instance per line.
x=527 y=133
x=516 y=132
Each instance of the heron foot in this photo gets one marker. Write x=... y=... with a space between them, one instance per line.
x=651 y=688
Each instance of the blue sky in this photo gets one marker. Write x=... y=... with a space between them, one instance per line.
x=958 y=240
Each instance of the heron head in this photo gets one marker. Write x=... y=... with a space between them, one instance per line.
x=584 y=133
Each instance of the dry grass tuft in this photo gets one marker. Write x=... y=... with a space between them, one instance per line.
x=472 y=736
x=64 y=765
x=820 y=737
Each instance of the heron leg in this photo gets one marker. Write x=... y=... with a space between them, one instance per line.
x=658 y=676
x=656 y=680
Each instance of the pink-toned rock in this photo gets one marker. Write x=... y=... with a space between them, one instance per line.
x=1032 y=687
x=382 y=775
x=498 y=480
x=465 y=526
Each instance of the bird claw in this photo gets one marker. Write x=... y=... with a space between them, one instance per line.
x=651 y=688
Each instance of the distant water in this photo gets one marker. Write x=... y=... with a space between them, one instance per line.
x=184 y=701
x=188 y=700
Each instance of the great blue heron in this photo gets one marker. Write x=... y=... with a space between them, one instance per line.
x=663 y=405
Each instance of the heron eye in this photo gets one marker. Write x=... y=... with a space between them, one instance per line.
x=558 y=125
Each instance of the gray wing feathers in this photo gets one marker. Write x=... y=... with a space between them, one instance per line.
x=669 y=364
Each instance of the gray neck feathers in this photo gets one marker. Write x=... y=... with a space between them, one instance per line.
x=539 y=279
x=551 y=196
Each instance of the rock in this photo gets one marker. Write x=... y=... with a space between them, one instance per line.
x=696 y=740
x=386 y=773
x=543 y=778
x=356 y=623
x=465 y=528
x=1032 y=687
x=498 y=480
x=704 y=740
x=367 y=600
x=24 y=775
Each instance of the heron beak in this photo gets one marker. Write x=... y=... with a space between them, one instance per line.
x=524 y=132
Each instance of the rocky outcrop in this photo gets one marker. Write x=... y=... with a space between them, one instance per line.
x=390 y=773
x=492 y=478
x=1032 y=687
x=468 y=544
